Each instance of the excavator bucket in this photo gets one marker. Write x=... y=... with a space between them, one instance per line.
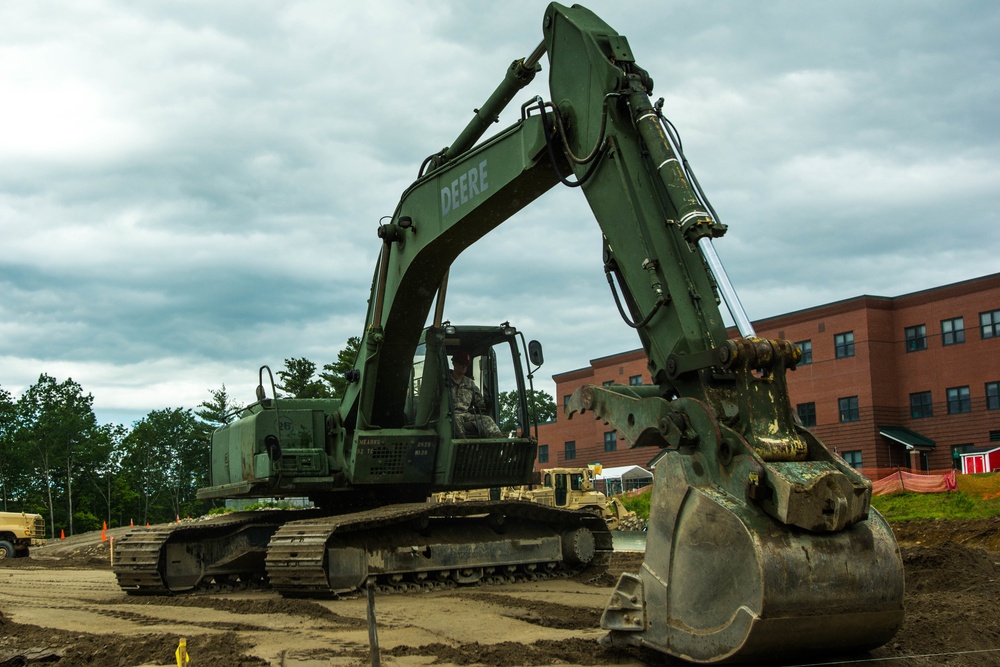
x=747 y=557
x=723 y=581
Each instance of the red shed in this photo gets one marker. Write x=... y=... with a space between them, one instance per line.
x=981 y=460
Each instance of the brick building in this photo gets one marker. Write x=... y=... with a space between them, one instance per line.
x=910 y=381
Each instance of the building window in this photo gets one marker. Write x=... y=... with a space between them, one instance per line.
x=953 y=331
x=958 y=400
x=989 y=324
x=849 y=409
x=994 y=436
x=608 y=383
x=569 y=450
x=956 y=455
x=843 y=344
x=807 y=413
x=807 y=352
x=566 y=398
x=916 y=338
x=543 y=453
x=853 y=458
x=920 y=405
x=993 y=395
x=610 y=441
x=635 y=380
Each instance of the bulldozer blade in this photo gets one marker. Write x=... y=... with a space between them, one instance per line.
x=723 y=581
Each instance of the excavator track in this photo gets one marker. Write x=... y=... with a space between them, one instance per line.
x=182 y=557
x=420 y=546
x=398 y=548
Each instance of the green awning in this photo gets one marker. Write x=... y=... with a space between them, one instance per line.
x=905 y=436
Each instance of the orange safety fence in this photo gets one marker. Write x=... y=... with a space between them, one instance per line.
x=881 y=473
x=893 y=480
x=904 y=480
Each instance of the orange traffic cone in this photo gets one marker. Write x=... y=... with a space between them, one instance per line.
x=130 y=523
x=62 y=534
x=104 y=532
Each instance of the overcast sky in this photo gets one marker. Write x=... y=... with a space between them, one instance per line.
x=189 y=190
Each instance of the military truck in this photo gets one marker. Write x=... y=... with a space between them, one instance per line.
x=19 y=532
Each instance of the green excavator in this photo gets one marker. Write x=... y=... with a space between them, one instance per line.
x=761 y=543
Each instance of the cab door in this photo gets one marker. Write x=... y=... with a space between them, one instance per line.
x=561 y=490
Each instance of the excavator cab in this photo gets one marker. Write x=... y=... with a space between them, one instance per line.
x=482 y=368
x=494 y=365
x=477 y=453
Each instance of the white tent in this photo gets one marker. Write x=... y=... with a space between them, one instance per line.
x=623 y=478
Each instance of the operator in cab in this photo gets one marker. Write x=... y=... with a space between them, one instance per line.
x=468 y=406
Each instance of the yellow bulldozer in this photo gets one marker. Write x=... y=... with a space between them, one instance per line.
x=570 y=488
x=574 y=488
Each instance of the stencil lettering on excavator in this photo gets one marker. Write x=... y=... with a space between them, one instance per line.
x=464 y=188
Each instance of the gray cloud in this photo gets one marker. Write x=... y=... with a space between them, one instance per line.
x=188 y=191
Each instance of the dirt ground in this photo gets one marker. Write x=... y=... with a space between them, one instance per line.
x=63 y=606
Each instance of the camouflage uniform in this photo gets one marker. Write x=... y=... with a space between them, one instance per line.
x=465 y=395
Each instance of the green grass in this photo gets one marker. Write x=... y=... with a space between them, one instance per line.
x=895 y=507
x=258 y=505
x=638 y=503
x=953 y=505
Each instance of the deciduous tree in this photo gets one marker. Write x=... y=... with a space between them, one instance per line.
x=166 y=460
x=9 y=465
x=105 y=473
x=56 y=423
x=541 y=408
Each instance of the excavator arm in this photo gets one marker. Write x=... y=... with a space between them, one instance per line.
x=658 y=233
x=761 y=542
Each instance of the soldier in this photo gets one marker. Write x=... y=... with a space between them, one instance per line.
x=468 y=406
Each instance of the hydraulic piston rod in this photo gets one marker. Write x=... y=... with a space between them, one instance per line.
x=729 y=294
x=519 y=74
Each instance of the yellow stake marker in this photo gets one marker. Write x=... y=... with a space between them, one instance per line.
x=182 y=654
